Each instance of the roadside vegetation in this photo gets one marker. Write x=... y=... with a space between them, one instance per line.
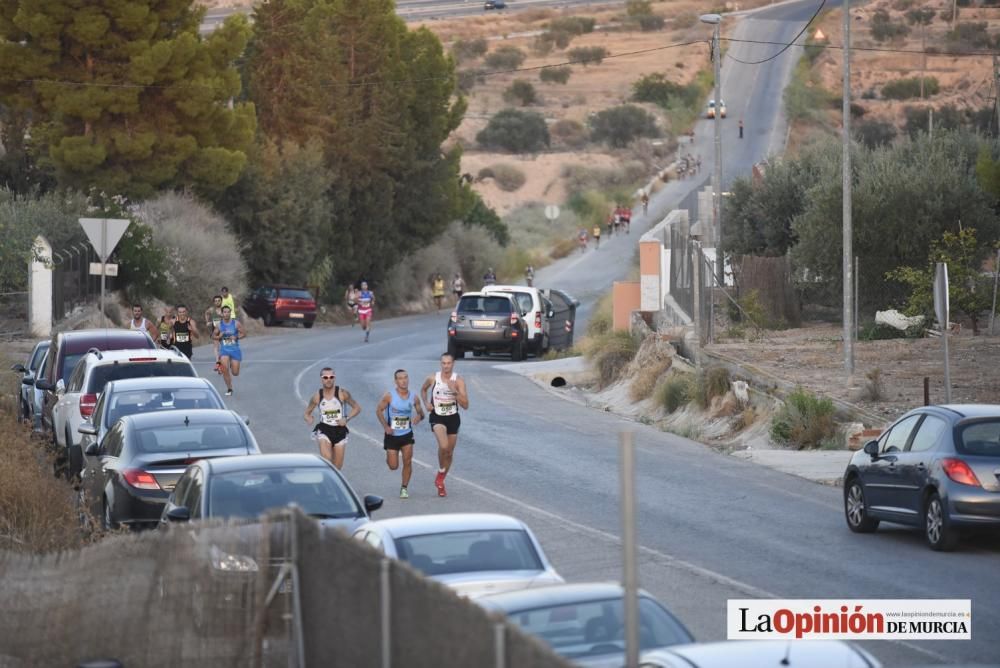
x=806 y=421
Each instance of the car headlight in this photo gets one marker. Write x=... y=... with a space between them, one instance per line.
x=232 y=563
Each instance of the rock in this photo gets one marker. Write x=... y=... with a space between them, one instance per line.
x=896 y=320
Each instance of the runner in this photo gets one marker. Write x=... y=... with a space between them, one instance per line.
x=229 y=300
x=448 y=394
x=139 y=323
x=457 y=287
x=213 y=316
x=228 y=334
x=165 y=327
x=597 y=235
x=490 y=277
x=627 y=219
x=529 y=275
x=581 y=238
x=366 y=300
x=351 y=297
x=645 y=202
x=395 y=413
x=611 y=224
x=184 y=331
x=438 y=290
x=332 y=430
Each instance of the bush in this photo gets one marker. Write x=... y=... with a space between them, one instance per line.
x=574 y=25
x=610 y=353
x=555 y=74
x=649 y=22
x=602 y=317
x=638 y=7
x=563 y=248
x=904 y=89
x=805 y=420
x=674 y=392
x=657 y=89
x=201 y=253
x=884 y=28
x=467 y=79
x=508 y=177
x=551 y=39
x=947 y=117
x=588 y=55
x=875 y=133
x=971 y=36
x=647 y=379
x=520 y=92
x=515 y=131
x=619 y=126
x=505 y=58
x=570 y=133
x=469 y=49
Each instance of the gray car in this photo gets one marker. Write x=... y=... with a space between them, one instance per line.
x=30 y=397
x=937 y=468
x=487 y=323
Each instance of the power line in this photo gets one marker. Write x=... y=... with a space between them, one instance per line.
x=785 y=47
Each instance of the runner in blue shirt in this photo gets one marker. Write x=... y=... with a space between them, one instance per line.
x=228 y=334
x=396 y=414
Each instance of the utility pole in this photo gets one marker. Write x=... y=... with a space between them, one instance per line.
x=848 y=250
x=720 y=262
x=996 y=89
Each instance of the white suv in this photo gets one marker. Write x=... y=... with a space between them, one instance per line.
x=535 y=309
x=76 y=403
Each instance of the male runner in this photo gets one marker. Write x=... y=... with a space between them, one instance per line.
x=395 y=412
x=457 y=287
x=437 y=290
x=331 y=432
x=185 y=332
x=448 y=393
x=141 y=324
x=229 y=300
x=213 y=316
x=366 y=300
x=228 y=334
x=351 y=297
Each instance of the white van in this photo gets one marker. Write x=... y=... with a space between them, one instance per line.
x=535 y=309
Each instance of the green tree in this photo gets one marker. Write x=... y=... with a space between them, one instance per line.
x=475 y=213
x=126 y=97
x=555 y=74
x=515 y=131
x=619 y=126
x=505 y=58
x=521 y=92
x=588 y=55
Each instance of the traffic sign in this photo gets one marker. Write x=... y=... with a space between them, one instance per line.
x=551 y=212
x=109 y=269
x=104 y=234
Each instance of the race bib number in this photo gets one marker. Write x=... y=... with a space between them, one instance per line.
x=331 y=417
x=215 y=322
x=229 y=340
x=446 y=408
x=400 y=423
x=164 y=337
x=182 y=337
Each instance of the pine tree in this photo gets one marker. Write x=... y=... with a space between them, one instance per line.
x=125 y=96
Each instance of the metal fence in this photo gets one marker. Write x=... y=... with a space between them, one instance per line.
x=72 y=283
x=279 y=592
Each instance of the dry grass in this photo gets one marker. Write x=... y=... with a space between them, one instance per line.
x=610 y=353
x=648 y=378
x=37 y=512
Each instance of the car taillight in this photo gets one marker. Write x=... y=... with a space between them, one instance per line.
x=87 y=404
x=960 y=472
x=513 y=318
x=538 y=319
x=279 y=302
x=454 y=316
x=140 y=479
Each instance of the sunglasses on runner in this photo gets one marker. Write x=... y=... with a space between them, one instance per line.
x=327 y=377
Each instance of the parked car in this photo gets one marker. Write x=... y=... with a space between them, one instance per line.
x=76 y=403
x=474 y=554
x=128 y=476
x=133 y=396
x=710 y=110
x=247 y=487
x=487 y=323
x=535 y=309
x=814 y=653
x=29 y=396
x=585 y=623
x=935 y=468
x=278 y=303
x=495 y=4
x=67 y=349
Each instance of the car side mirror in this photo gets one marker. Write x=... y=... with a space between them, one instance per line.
x=19 y=368
x=179 y=514
x=87 y=428
x=246 y=419
x=43 y=384
x=871 y=449
x=93 y=449
x=372 y=502
x=28 y=381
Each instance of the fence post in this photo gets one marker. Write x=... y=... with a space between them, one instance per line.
x=386 y=618
x=40 y=290
x=499 y=645
x=694 y=249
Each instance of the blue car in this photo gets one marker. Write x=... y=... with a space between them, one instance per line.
x=30 y=398
x=937 y=468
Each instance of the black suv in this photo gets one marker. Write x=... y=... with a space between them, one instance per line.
x=486 y=323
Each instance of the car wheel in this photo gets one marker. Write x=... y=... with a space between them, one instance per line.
x=455 y=350
x=855 y=509
x=938 y=531
x=268 y=319
x=307 y=325
x=517 y=352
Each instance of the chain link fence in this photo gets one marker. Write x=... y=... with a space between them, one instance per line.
x=72 y=283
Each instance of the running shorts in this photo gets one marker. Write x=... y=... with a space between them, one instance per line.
x=451 y=422
x=232 y=352
x=335 y=435
x=391 y=442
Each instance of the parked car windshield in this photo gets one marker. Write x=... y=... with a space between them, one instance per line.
x=593 y=628
x=69 y=365
x=466 y=551
x=288 y=293
x=36 y=360
x=183 y=438
x=147 y=401
x=494 y=305
x=101 y=375
x=317 y=490
x=981 y=439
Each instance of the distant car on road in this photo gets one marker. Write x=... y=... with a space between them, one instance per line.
x=814 y=653
x=487 y=323
x=585 y=623
x=710 y=110
x=29 y=396
x=474 y=554
x=247 y=487
x=495 y=4
x=937 y=467
x=535 y=309
x=128 y=476
x=276 y=304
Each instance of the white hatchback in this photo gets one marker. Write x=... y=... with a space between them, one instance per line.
x=535 y=309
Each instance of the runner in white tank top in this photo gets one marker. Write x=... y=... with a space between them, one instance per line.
x=331 y=432
x=448 y=394
x=139 y=323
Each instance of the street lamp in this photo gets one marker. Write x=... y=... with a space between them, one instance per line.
x=716 y=20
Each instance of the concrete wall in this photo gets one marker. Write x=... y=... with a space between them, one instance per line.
x=626 y=297
x=40 y=290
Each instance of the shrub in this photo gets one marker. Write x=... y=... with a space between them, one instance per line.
x=619 y=126
x=555 y=74
x=520 y=92
x=574 y=25
x=904 y=89
x=467 y=79
x=563 y=248
x=200 y=251
x=469 y=49
x=610 y=353
x=875 y=133
x=638 y=7
x=505 y=58
x=551 y=39
x=884 y=28
x=647 y=379
x=947 y=117
x=570 y=133
x=515 y=131
x=602 y=317
x=659 y=90
x=674 y=392
x=970 y=36
x=588 y=55
x=650 y=22
x=508 y=177
x=805 y=420
x=874 y=389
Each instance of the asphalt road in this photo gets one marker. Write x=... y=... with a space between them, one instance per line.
x=711 y=527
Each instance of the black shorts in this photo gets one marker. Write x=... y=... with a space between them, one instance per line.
x=334 y=434
x=450 y=422
x=391 y=442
